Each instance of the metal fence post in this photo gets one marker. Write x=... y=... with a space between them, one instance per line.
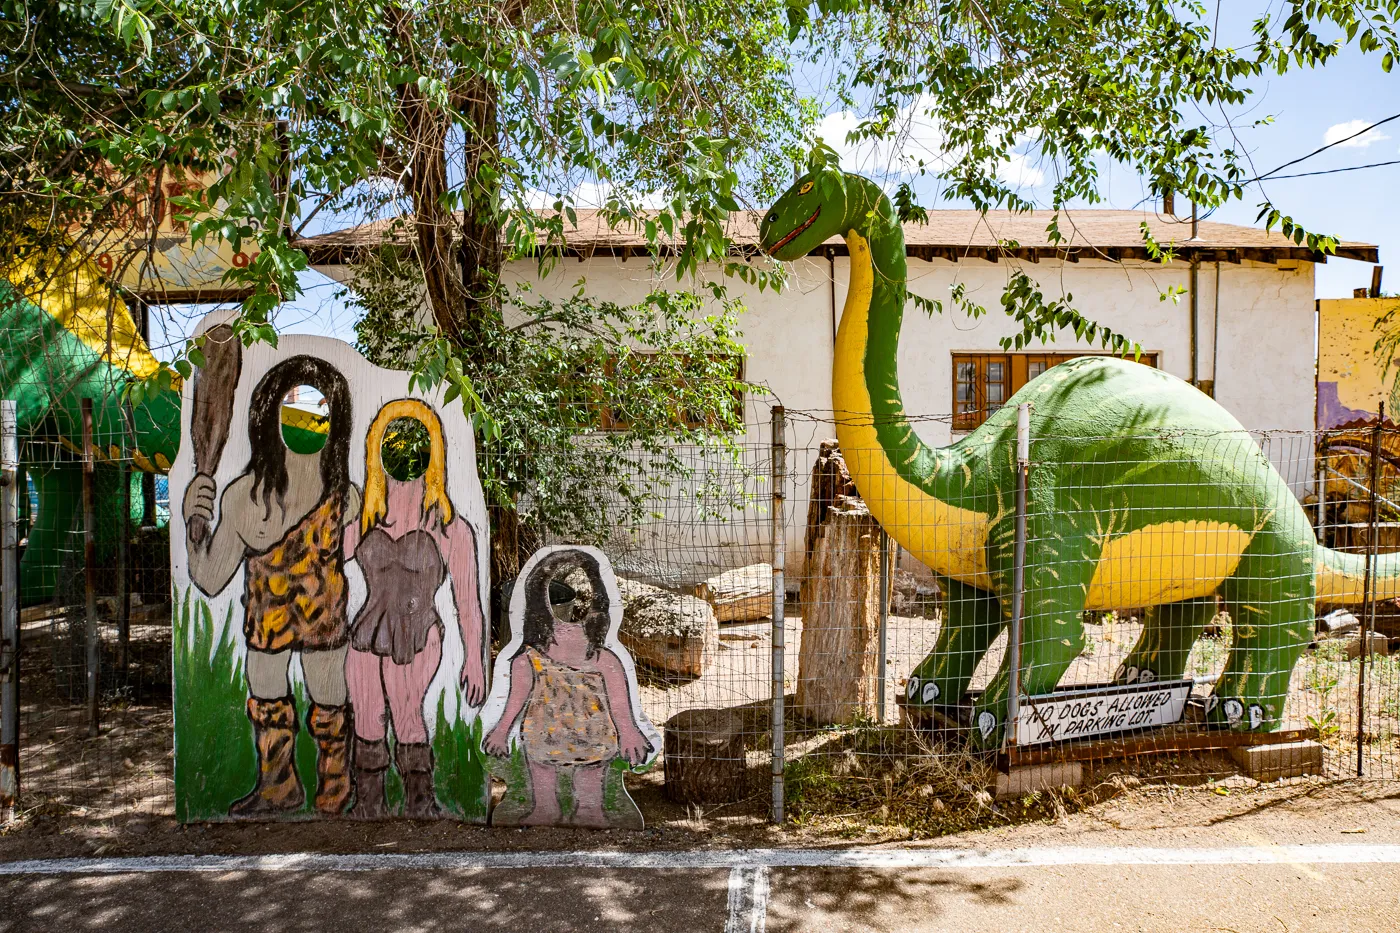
x=884 y=623
x=124 y=548
x=1368 y=623
x=779 y=597
x=9 y=610
x=1018 y=574
x=90 y=569
x=1322 y=496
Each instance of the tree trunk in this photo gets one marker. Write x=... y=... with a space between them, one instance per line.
x=838 y=664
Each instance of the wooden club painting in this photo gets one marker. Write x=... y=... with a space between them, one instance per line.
x=328 y=556
x=564 y=721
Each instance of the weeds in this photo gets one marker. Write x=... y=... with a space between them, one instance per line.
x=900 y=780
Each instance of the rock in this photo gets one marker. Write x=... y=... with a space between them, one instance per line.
x=1029 y=779
x=743 y=595
x=1271 y=762
x=1379 y=645
x=1337 y=622
x=667 y=631
x=909 y=596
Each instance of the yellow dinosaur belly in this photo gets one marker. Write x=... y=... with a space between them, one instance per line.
x=1165 y=563
x=948 y=539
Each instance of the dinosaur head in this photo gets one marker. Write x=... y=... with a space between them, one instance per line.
x=810 y=212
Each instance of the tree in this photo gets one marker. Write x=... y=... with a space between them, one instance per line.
x=468 y=107
x=588 y=430
x=468 y=112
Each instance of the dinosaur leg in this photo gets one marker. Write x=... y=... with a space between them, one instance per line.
x=1270 y=598
x=971 y=620
x=1059 y=569
x=1163 y=648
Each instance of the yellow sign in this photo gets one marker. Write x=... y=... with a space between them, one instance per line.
x=148 y=251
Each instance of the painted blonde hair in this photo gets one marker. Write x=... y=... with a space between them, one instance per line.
x=434 y=478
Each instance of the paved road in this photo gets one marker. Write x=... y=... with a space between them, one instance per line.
x=1333 y=888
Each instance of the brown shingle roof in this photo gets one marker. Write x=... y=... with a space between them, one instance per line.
x=950 y=234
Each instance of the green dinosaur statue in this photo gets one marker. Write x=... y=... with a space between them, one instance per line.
x=1144 y=492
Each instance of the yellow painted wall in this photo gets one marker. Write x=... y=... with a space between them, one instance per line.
x=1351 y=381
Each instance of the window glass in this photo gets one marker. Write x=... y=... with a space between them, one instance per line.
x=996 y=384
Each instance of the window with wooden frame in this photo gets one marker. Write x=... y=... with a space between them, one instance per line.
x=983 y=382
x=612 y=418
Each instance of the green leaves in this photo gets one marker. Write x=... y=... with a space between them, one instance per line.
x=578 y=427
x=127 y=20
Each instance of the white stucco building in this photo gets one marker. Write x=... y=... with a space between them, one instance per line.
x=1253 y=338
x=1248 y=337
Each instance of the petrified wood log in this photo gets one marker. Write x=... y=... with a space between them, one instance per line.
x=838 y=663
x=704 y=757
x=743 y=595
x=667 y=631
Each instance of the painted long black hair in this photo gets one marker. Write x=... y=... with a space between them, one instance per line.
x=268 y=460
x=539 y=619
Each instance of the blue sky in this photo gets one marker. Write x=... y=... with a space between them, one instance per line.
x=1308 y=109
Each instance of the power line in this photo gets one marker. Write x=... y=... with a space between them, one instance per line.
x=1360 y=132
x=1333 y=171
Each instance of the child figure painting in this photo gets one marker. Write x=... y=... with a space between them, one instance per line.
x=564 y=721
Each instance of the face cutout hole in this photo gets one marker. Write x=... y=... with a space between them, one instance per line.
x=406 y=449
x=306 y=423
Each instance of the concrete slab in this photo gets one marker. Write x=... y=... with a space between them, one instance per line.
x=1271 y=762
x=1027 y=779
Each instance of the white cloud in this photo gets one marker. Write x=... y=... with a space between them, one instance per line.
x=1341 y=131
x=590 y=194
x=1018 y=172
x=917 y=138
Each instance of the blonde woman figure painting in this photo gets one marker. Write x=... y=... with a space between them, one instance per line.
x=409 y=541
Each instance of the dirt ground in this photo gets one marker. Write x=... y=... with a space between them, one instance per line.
x=113 y=794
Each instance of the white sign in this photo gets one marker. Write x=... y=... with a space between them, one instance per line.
x=1078 y=714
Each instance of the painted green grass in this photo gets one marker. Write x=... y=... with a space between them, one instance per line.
x=214 y=756
x=461 y=775
x=518 y=799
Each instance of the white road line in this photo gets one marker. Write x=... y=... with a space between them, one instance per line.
x=748 y=899
x=721 y=859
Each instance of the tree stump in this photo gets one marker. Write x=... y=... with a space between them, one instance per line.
x=704 y=757
x=830 y=481
x=838 y=665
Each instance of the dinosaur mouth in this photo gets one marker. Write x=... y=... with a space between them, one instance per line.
x=795 y=233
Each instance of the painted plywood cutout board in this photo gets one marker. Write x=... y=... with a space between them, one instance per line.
x=331 y=652
x=1351 y=380
x=564 y=722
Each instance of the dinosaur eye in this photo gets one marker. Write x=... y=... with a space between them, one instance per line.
x=773 y=217
x=806 y=186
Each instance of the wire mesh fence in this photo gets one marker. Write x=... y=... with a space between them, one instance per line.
x=1182 y=596
x=94 y=627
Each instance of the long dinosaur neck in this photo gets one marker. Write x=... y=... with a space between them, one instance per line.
x=905 y=483
x=865 y=377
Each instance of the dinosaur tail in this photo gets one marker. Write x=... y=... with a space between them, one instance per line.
x=1341 y=578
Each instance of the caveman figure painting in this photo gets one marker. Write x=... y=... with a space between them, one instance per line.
x=280 y=521
x=331 y=652
x=564 y=721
